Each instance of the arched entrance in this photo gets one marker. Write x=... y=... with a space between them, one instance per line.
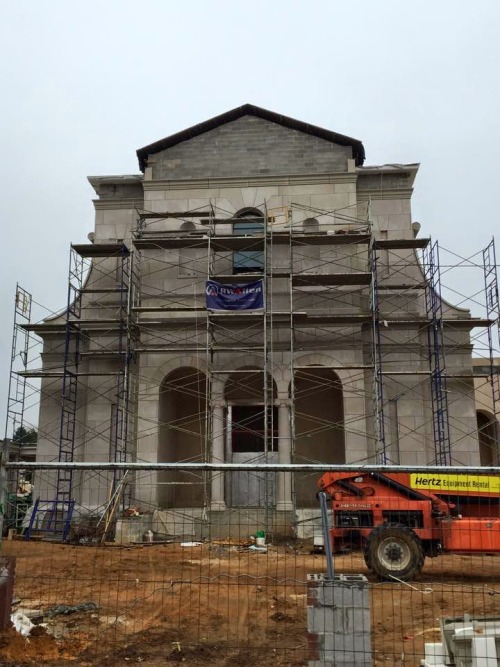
x=251 y=436
x=487 y=431
x=182 y=436
x=319 y=426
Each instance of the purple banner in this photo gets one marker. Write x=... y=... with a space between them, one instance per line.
x=238 y=296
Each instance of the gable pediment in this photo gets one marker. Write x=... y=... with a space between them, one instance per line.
x=249 y=141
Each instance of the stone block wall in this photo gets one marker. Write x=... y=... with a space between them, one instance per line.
x=250 y=146
x=338 y=621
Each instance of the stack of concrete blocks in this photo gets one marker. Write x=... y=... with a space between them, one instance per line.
x=338 y=621
x=132 y=530
x=466 y=641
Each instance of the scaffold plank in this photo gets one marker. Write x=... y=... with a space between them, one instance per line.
x=101 y=249
x=325 y=279
x=401 y=244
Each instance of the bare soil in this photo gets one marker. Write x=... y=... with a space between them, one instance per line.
x=220 y=604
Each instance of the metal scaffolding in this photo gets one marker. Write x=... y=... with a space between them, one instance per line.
x=16 y=396
x=331 y=284
x=15 y=447
x=213 y=234
x=493 y=314
x=439 y=392
x=378 y=383
x=101 y=277
x=78 y=267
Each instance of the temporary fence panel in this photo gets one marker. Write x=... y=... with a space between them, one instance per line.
x=416 y=567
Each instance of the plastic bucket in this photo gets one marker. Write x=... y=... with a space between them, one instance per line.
x=260 y=538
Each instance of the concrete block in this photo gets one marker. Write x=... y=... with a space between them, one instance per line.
x=357 y=455
x=170 y=205
x=328 y=202
x=249 y=196
x=338 y=615
x=292 y=191
x=399 y=221
x=198 y=204
x=382 y=222
x=358 y=644
x=303 y=200
x=387 y=207
x=153 y=195
x=354 y=405
x=131 y=530
x=347 y=622
x=230 y=197
x=340 y=188
x=350 y=595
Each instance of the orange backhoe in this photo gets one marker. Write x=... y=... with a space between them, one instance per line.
x=399 y=518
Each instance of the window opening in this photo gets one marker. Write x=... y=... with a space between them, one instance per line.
x=248 y=261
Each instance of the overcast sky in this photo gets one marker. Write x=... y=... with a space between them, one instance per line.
x=86 y=83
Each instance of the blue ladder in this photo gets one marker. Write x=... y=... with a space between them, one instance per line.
x=56 y=520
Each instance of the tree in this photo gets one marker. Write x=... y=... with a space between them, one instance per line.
x=25 y=436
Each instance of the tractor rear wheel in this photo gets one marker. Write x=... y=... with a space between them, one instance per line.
x=394 y=551
x=367 y=558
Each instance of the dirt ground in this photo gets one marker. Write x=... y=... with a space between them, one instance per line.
x=218 y=604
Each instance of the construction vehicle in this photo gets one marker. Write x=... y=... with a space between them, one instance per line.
x=400 y=518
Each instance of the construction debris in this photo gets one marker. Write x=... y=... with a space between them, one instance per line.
x=66 y=609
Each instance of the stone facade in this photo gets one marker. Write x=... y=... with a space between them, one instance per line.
x=486 y=409
x=316 y=213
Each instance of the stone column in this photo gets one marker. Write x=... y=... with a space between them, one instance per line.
x=355 y=435
x=284 y=479
x=148 y=445
x=218 y=504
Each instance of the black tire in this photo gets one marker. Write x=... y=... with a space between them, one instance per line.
x=394 y=551
x=367 y=558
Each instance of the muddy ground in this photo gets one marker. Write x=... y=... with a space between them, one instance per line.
x=219 y=604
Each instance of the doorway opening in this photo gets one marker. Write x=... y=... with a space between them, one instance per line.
x=246 y=438
x=248 y=432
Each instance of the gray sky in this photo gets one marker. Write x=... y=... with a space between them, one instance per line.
x=86 y=83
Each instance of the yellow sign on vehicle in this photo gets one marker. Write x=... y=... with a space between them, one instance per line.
x=450 y=483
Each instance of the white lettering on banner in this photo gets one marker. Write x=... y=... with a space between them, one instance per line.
x=213 y=290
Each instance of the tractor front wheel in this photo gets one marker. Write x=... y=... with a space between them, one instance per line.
x=394 y=551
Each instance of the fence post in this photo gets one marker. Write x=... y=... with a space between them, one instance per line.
x=326 y=535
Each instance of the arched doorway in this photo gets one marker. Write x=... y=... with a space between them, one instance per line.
x=487 y=431
x=319 y=426
x=182 y=436
x=251 y=436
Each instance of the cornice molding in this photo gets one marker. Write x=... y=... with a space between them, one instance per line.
x=385 y=193
x=118 y=204
x=251 y=182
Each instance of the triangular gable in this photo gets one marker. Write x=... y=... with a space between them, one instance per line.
x=358 y=151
